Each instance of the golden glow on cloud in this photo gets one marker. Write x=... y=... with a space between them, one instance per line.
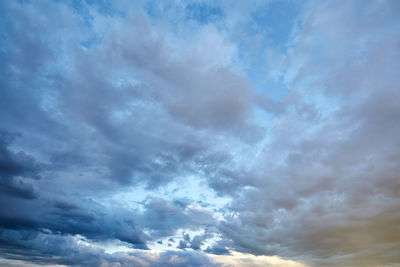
x=238 y=259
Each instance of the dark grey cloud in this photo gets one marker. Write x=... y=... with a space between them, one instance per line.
x=196 y=242
x=23 y=208
x=43 y=248
x=164 y=218
x=219 y=248
x=16 y=169
x=90 y=221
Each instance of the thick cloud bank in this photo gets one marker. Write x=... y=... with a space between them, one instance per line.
x=140 y=133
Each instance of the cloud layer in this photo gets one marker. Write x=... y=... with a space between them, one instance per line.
x=199 y=133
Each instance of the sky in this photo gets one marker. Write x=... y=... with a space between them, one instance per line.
x=200 y=133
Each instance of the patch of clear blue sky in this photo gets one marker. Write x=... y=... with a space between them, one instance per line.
x=203 y=13
x=104 y=7
x=278 y=19
x=273 y=24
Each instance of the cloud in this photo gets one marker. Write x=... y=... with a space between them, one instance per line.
x=196 y=242
x=316 y=181
x=165 y=218
x=242 y=259
x=138 y=123
x=46 y=248
x=66 y=250
x=16 y=168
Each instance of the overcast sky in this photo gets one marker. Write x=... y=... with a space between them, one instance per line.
x=200 y=133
